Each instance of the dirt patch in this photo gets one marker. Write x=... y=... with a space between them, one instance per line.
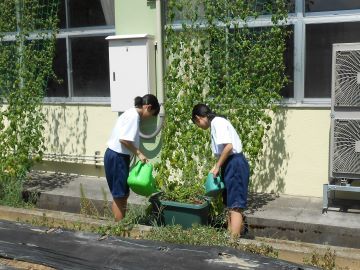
x=23 y=265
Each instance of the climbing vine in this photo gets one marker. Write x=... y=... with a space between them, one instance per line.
x=216 y=58
x=27 y=46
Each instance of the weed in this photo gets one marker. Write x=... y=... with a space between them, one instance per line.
x=134 y=215
x=88 y=208
x=326 y=261
x=205 y=236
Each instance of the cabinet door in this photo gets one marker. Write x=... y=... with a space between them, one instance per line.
x=128 y=72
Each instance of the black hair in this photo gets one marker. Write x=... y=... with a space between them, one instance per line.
x=203 y=111
x=148 y=99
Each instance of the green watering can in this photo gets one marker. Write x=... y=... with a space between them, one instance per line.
x=141 y=180
x=213 y=186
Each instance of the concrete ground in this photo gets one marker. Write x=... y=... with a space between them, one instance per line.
x=285 y=217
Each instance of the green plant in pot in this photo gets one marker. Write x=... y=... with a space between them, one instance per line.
x=217 y=59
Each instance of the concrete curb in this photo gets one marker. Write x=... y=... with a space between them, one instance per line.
x=305 y=232
x=60 y=219
x=296 y=251
x=57 y=217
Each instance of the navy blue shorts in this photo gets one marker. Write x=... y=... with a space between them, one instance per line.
x=117 y=172
x=235 y=172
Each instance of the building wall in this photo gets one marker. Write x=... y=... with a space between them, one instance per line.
x=135 y=17
x=295 y=158
x=296 y=153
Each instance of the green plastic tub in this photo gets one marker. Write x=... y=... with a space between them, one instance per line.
x=184 y=214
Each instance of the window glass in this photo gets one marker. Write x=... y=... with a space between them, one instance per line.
x=61 y=14
x=59 y=87
x=90 y=62
x=91 y=13
x=331 y=5
x=319 y=40
x=260 y=6
x=8 y=74
x=288 y=90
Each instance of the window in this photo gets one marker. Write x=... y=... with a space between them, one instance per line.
x=62 y=14
x=288 y=90
x=260 y=7
x=319 y=40
x=59 y=88
x=90 y=13
x=331 y=5
x=82 y=62
x=90 y=62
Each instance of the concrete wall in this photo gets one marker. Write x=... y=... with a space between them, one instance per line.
x=295 y=157
x=75 y=132
x=296 y=153
x=135 y=17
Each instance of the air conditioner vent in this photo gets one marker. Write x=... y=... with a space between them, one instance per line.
x=346 y=156
x=347 y=79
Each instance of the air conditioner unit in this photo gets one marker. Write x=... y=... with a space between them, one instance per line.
x=345 y=112
x=345 y=153
x=346 y=76
x=344 y=161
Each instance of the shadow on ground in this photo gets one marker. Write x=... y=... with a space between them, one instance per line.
x=43 y=181
x=257 y=200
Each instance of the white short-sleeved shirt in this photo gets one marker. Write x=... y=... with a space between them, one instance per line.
x=127 y=128
x=222 y=132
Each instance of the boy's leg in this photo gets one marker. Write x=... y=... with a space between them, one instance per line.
x=235 y=222
x=118 y=207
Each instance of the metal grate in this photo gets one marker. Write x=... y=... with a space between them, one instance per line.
x=347 y=79
x=346 y=157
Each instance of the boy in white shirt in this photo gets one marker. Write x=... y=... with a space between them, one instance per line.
x=122 y=144
x=235 y=172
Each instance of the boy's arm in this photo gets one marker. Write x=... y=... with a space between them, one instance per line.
x=223 y=157
x=129 y=145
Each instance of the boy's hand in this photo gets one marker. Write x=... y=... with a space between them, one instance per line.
x=142 y=157
x=215 y=170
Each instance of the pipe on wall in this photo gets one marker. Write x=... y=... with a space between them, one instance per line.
x=96 y=159
x=160 y=70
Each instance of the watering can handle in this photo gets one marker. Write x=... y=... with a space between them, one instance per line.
x=138 y=167
x=217 y=178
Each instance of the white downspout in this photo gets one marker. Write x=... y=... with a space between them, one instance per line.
x=159 y=71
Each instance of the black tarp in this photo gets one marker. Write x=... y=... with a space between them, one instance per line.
x=79 y=250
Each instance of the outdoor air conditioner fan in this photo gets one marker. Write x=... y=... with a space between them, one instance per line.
x=347 y=79
x=346 y=148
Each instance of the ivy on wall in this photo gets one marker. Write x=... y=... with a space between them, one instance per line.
x=27 y=47
x=217 y=59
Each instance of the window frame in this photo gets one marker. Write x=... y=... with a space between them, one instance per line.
x=82 y=32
